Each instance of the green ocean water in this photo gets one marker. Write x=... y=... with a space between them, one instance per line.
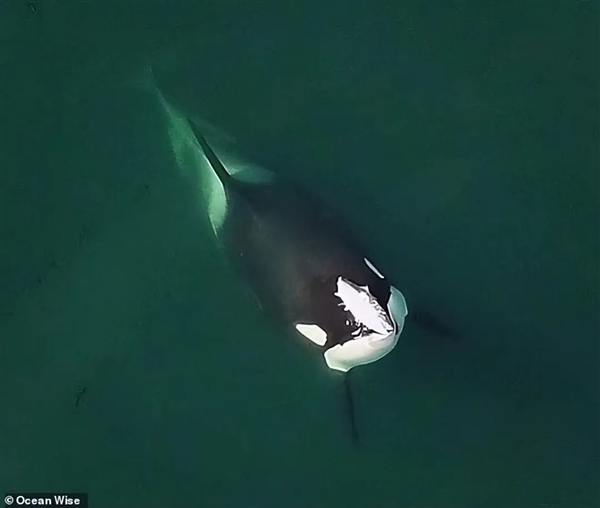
x=460 y=141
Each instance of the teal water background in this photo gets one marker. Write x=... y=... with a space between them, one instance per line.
x=460 y=141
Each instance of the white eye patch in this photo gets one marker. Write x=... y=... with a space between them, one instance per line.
x=313 y=333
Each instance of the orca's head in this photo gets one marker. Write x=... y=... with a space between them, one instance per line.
x=375 y=325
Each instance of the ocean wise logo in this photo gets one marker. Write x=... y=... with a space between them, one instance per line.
x=51 y=500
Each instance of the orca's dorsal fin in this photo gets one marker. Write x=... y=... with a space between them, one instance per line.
x=229 y=166
x=210 y=154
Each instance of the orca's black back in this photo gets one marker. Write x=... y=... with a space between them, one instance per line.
x=292 y=251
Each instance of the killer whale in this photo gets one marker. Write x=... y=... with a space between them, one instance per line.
x=302 y=263
x=306 y=270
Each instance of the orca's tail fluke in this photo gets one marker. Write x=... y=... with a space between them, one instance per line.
x=350 y=410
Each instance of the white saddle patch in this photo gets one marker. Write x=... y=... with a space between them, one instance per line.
x=215 y=191
x=193 y=164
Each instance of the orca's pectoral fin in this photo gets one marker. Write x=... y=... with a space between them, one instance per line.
x=349 y=410
x=433 y=325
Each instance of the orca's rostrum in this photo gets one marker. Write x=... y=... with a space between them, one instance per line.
x=303 y=266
